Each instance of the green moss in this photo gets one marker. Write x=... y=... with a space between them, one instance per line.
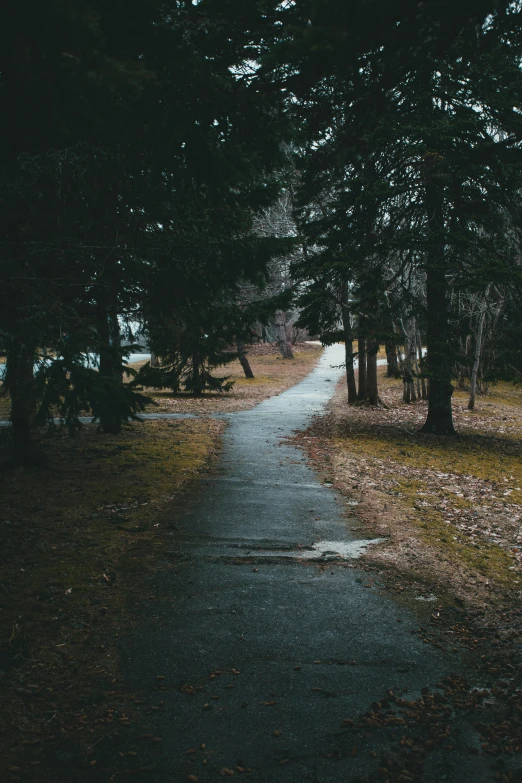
x=487 y=559
x=491 y=459
x=486 y=458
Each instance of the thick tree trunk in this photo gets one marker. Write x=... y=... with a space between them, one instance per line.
x=154 y=360
x=245 y=364
x=361 y=350
x=476 y=363
x=348 y=348
x=372 y=392
x=281 y=335
x=21 y=385
x=391 y=359
x=440 y=418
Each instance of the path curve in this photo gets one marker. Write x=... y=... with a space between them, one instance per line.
x=247 y=598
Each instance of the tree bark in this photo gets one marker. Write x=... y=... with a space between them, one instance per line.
x=415 y=359
x=111 y=357
x=21 y=385
x=110 y=362
x=281 y=335
x=197 y=386
x=408 y=392
x=440 y=416
x=372 y=392
x=348 y=348
x=361 y=350
x=424 y=390
x=476 y=363
x=391 y=359
x=245 y=364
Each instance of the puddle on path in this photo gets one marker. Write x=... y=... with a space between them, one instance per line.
x=320 y=550
x=344 y=549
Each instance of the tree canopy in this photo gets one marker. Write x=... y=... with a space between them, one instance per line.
x=144 y=142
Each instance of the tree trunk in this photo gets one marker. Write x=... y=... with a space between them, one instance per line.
x=110 y=362
x=111 y=357
x=245 y=364
x=408 y=393
x=440 y=417
x=476 y=363
x=372 y=392
x=424 y=390
x=154 y=360
x=20 y=383
x=391 y=359
x=197 y=385
x=406 y=390
x=361 y=349
x=348 y=348
x=281 y=335
x=415 y=359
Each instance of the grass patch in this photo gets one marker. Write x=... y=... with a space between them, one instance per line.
x=450 y=508
x=490 y=459
x=488 y=560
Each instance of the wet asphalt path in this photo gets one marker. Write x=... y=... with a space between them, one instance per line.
x=253 y=637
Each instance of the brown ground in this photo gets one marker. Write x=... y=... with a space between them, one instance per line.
x=273 y=375
x=451 y=509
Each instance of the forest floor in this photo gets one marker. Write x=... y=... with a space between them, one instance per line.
x=80 y=542
x=449 y=513
x=450 y=508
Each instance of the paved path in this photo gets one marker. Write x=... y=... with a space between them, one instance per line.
x=249 y=596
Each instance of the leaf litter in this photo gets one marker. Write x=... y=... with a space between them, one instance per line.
x=451 y=513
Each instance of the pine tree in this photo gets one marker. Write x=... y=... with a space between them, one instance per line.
x=119 y=179
x=411 y=148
